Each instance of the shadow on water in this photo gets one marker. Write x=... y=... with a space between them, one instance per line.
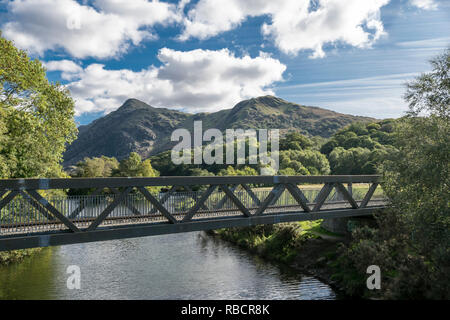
x=178 y=266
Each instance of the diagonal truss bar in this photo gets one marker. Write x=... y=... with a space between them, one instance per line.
x=82 y=205
x=194 y=196
x=133 y=209
x=2 y=193
x=277 y=196
x=347 y=196
x=274 y=194
x=222 y=201
x=199 y=203
x=235 y=200
x=368 y=195
x=157 y=205
x=109 y=209
x=164 y=198
x=8 y=198
x=36 y=205
x=250 y=192
x=58 y=215
x=322 y=196
x=298 y=196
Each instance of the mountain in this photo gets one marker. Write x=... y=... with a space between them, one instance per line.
x=138 y=127
x=135 y=126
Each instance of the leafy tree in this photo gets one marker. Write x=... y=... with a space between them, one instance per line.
x=36 y=117
x=352 y=161
x=304 y=162
x=163 y=163
x=4 y=170
x=200 y=172
x=295 y=141
x=97 y=167
x=245 y=171
x=133 y=166
x=360 y=148
x=412 y=242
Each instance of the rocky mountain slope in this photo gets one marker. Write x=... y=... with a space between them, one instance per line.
x=138 y=127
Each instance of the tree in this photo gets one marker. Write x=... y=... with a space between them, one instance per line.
x=197 y=172
x=133 y=166
x=412 y=241
x=417 y=179
x=351 y=161
x=304 y=162
x=97 y=167
x=245 y=171
x=36 y=117
x=295 y=141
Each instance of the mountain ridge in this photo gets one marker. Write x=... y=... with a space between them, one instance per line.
x=139 y=127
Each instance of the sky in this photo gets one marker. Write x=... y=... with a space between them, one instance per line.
x=350 y=56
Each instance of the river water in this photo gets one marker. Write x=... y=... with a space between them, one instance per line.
x=177 y=266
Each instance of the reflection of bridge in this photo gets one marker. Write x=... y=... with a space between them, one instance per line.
x=132 y=208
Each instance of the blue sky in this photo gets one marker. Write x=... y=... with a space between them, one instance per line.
x=350 y=56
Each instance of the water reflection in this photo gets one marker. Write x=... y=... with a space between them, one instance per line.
x=177 y=266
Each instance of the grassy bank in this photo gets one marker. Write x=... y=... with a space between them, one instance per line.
x=303 y=245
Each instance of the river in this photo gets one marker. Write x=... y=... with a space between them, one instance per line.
x=177 y=266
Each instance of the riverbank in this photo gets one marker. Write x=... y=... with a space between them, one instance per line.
x=304 y=246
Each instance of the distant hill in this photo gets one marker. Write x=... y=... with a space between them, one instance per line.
x=138 y=127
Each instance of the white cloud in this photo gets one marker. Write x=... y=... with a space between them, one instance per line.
x=424 y=4
x=105 y=30
x=69 y=69
x=294 y=24
x=198 y=80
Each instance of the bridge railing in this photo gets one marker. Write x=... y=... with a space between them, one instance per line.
x=27 y=206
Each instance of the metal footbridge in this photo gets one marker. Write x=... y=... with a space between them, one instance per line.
x=40 y=212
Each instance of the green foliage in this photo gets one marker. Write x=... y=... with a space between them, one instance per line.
x=96 y=167
x=411 y=245
x=360 y=148
x=200 y=172
x=295 y=141
x=231 y=171
x=278 y=242
x=163 y=163
x=133 y=166
x=36 y=123
x=36 y=117
x=303 y=162
x=351 y=161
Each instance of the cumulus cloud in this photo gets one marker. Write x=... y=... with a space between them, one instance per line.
x=69 y=69
x=424 y=4
x=195 y=81
x=103 y=30
x=294 y=24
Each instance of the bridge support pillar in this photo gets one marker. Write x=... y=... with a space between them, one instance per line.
x=336 y=225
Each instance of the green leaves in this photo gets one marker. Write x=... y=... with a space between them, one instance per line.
x=413 y=239
x=36 y=120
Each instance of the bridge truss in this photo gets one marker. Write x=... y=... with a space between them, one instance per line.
x=32 y=214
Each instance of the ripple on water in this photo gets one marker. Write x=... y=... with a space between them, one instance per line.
x=178 y=266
